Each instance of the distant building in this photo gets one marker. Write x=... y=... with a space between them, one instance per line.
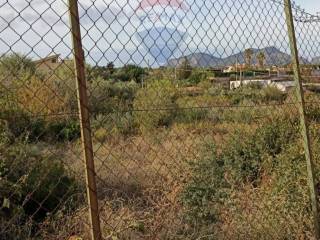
x=229 y=69
x=235 y=68
x=234 y=84
x=50 y=63
x=216 y=70
x=283 y=85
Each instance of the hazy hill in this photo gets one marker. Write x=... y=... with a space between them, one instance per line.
x=273 y=57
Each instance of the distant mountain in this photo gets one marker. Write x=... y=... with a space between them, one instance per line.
x=273 y=57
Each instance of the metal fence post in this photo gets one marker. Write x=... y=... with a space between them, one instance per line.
x=302 y=111
x=84 y=120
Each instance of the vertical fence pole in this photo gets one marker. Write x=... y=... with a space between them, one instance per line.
x=302 y=111
x=84 y=120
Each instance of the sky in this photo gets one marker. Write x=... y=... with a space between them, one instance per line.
x=312 y=6
x=39 y=28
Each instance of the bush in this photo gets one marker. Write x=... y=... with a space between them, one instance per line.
x=155 y=105
x=312 y=107
x=244 y=159
x=98 y=72
x=33 y=185
x=191 y=115
x=279 y=208
x=16 y=67
x=130 y=72
x=184 y=70
x=16 y=121
x=106 y=96
x=62 y=130
x=197 y=76
x=245 y=150
x=5 y=134
x=203 y=194
x=101 y=135
x=246 y=92
x=46 y=96
x=273 y=94
x=22 y=125
x=247 y=113
x=257 y=94
x=114 y=124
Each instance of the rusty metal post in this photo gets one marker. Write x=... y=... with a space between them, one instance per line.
x=84 y=115
x=302 y=111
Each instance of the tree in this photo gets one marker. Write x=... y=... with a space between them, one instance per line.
x=102 y=72
x=248 y=56
x=184 y=69
x=261 y=59
x=110 y=67
x=130 y=72
x=16 y=67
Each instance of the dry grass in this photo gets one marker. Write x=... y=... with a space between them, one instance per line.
x=140 y=179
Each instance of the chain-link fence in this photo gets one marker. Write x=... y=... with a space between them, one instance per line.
x=190 y=122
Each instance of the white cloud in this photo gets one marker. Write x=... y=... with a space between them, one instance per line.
x=220 y=27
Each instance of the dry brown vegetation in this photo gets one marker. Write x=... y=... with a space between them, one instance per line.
x=170 y=163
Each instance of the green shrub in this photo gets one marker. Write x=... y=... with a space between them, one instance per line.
x=98 y=72
x=33 y=185
x=16 y=121
x=273 y=94
x=155 y=105
x=220 y=175
x=257 y=94
x=204 y=193
x=5 y=134
x=312 y=107
x=62 y=130
x=106 y=97
x=16 y=66
x=125 y=123
x=101 y=135
x=191 y=115
x=114 y=124
x=277 y=133
x=130 y=72
x=245 y=150
x=246 y=92
x=197 y=76
x=243 y=157
x=191 y=109
x=279 y=209
x=22 y=125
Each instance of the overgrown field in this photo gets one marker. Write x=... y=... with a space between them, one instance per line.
x=175 y=158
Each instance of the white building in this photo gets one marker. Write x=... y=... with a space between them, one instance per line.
x=283 y=86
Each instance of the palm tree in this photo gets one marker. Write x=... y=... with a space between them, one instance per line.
x=248 y=56
x=261 y=58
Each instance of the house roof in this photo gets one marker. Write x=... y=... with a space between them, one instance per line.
x=56 y=56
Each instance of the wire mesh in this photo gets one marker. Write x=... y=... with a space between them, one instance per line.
x=194 y=120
